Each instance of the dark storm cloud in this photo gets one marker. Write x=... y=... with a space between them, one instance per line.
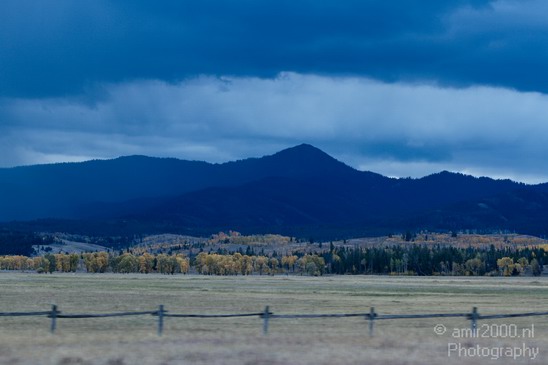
x=404 y=88
x=63 y=47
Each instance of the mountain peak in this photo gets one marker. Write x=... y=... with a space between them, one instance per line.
x=305 y=151
x=307 y=159
x=304 y=147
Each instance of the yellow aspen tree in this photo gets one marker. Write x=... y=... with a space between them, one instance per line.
x=183 y=264
x=30 y=264
x=146 y=263
x=506 y=266
x=247 y=265
x=74 y=260
x=273 y=263
x=102 y=261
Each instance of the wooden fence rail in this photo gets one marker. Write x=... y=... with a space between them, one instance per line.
x=267 y=315
x=23 y=314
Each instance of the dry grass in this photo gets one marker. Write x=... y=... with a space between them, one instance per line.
x=117 y=341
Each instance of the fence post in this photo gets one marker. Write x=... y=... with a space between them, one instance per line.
x=372 y=316
x=474 y=321
x=160 y=319
x=53 y=318
x=265 y=319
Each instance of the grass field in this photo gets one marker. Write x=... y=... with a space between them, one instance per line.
x=133 y=340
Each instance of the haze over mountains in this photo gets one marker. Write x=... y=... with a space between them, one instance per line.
x=300 y=191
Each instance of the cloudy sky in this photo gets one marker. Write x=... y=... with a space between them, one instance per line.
x=403 y=88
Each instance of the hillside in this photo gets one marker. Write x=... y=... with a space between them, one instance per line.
x=76 y=190
x=300 y=191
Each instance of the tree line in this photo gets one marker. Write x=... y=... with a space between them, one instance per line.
x=98 y=262
x=429 y=260
x=239 y=264
x=203 y=263
x=411 y=259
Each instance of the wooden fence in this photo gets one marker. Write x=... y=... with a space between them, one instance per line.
x=474 y=316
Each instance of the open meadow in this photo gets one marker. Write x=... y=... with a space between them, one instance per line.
x=134 y=340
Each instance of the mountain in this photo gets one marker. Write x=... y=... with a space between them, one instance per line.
x=300 y=191
x=331 y=205
x=60 y=190
x=522 y=210
x=71 y=190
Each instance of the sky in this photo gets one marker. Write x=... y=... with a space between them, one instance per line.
x=402 y=88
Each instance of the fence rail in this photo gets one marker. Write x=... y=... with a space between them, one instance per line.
x=23 y=314
x=167 y=314
x=267 y=315
x=103 y=315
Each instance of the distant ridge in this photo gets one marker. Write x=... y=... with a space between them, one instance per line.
x=299 y=190
x=61 y=190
